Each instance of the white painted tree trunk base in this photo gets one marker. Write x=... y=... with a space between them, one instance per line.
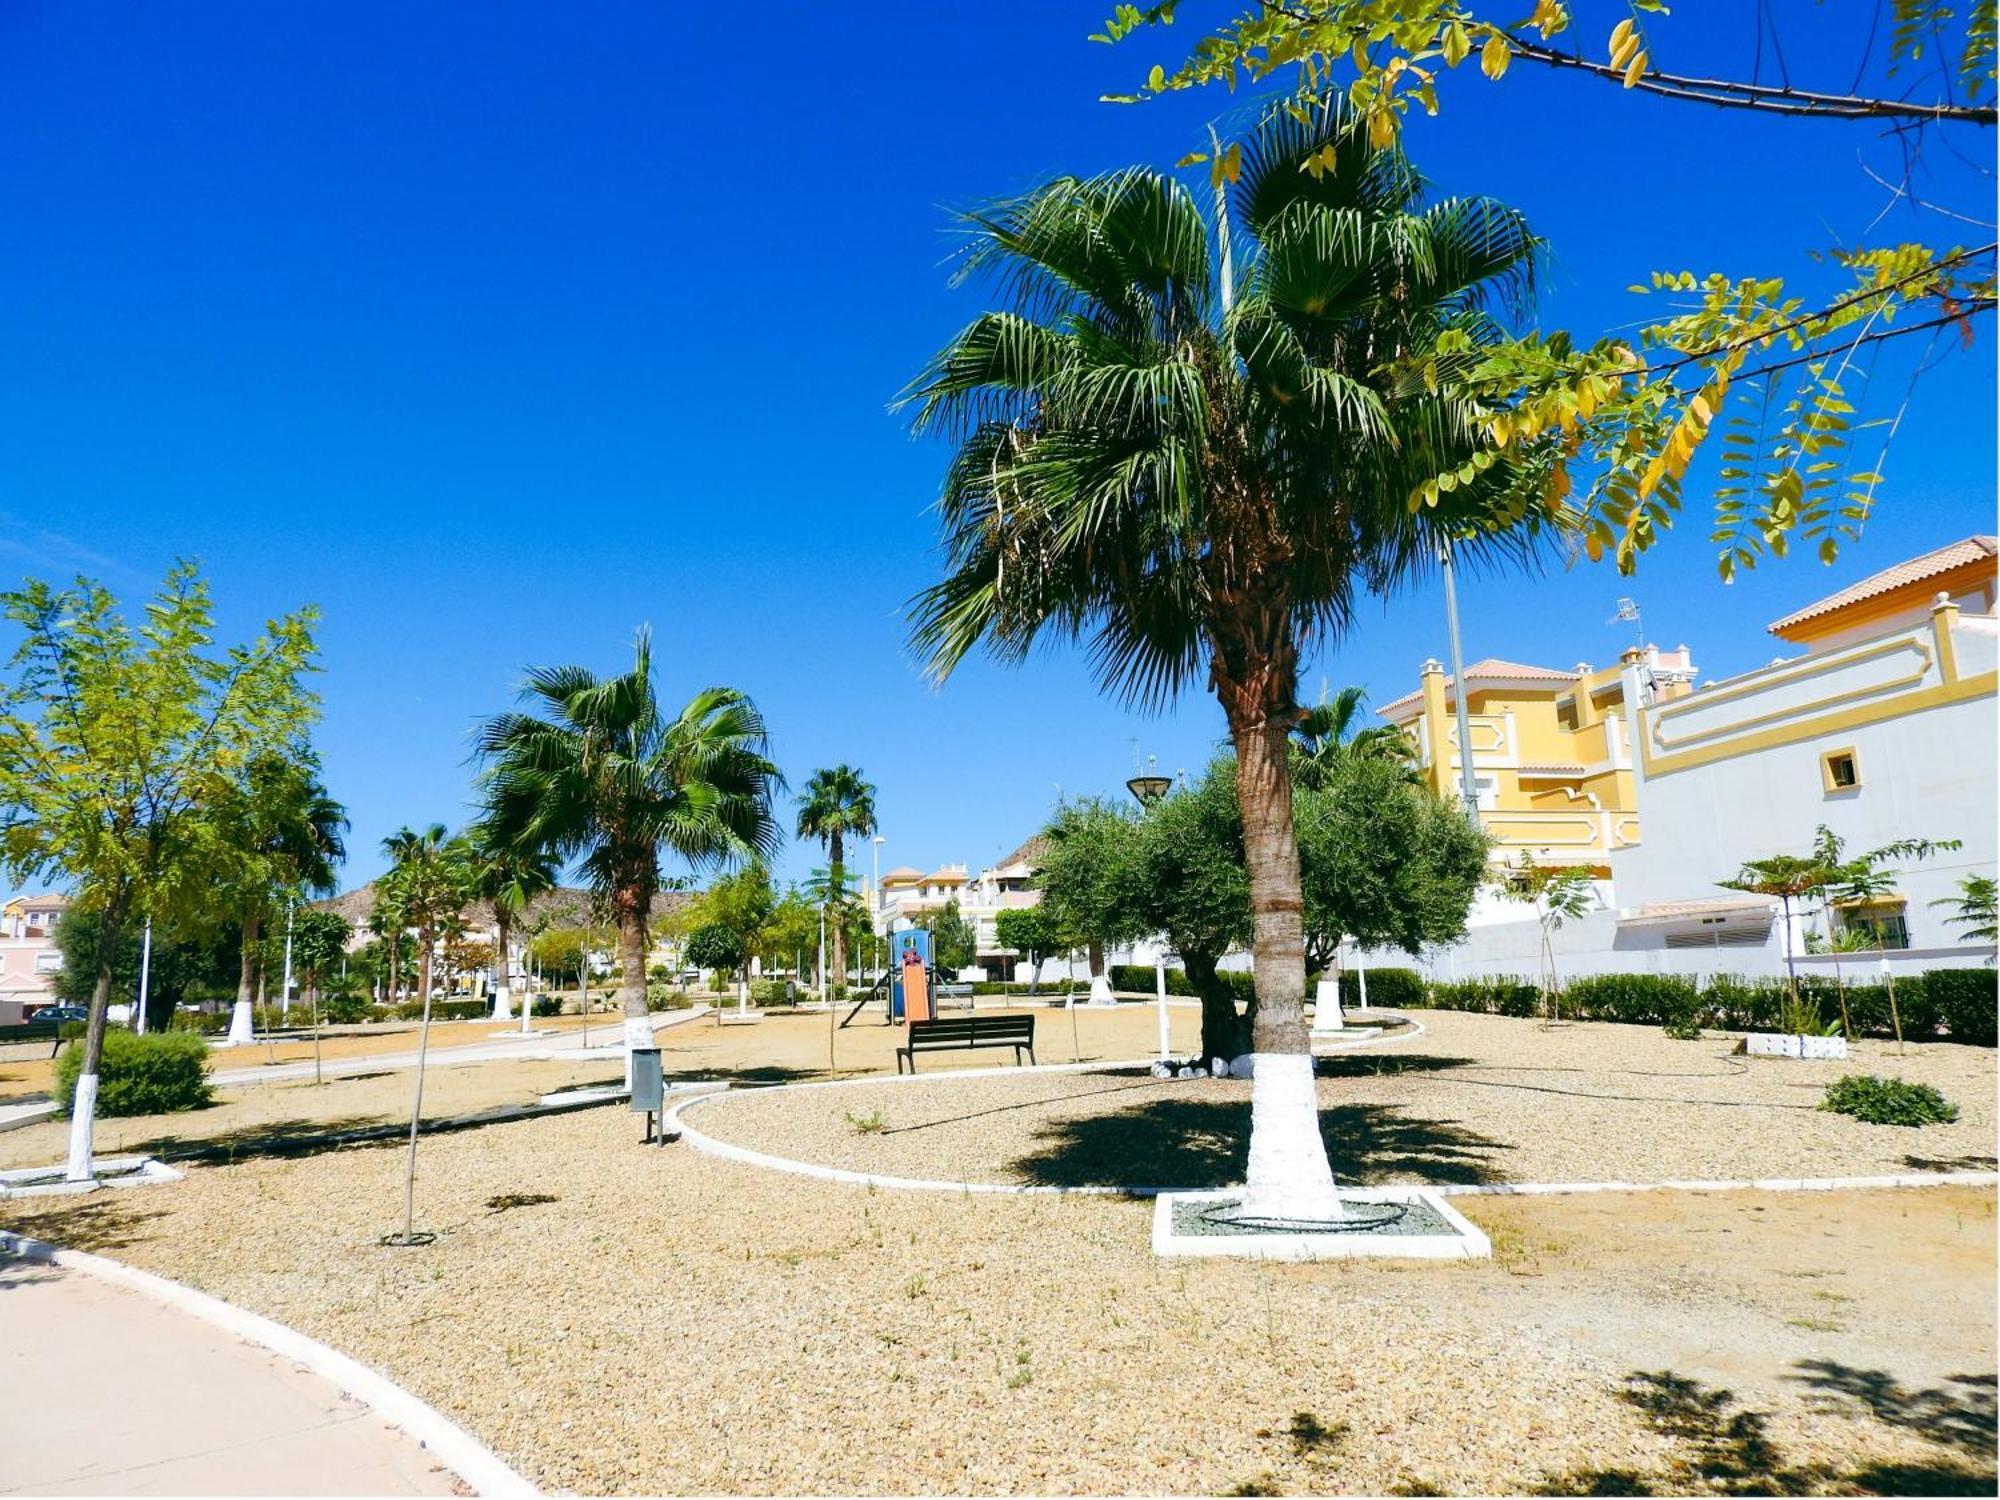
x=1100 y=991
x=82 y=1124
x=1289 y=1177
x=503 y=1003
x=1327 y=1015
x=242 y=1026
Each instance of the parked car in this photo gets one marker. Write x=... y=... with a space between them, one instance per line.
x=52 y=1015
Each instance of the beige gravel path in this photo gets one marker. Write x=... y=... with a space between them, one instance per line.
x=616 y=1317
x=1476 y=1099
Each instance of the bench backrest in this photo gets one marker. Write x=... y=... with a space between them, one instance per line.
x=962 y=1029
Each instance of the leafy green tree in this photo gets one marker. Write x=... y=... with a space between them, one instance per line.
x=954 y=943
x=507 y=877
x=1332 y=728
x=1792 y=878
x=1186 y=878
x=1387 y=862
x=1559 y=894
x=791 y=932
x=1634 y=410
x=1200 y=473
x=1857 y=882
x=319 y=943
x=1086 y=877
x=183 y=961
x=742 y=902
x=715 y=946
x=1028 y=931
x=280 y=838
x=837 y=803
x=1973 y=909
x=113 y=740
x=611 y=779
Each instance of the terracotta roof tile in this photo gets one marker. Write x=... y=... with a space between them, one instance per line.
x=1941 y=560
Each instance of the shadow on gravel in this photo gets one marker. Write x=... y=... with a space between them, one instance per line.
x=1962 y=1417
x=1722 y=1447
x=97 y=1223
x=1950 y=1163
x=1205 y=1143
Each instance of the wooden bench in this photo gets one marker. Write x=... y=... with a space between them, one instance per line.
x=960 y=1032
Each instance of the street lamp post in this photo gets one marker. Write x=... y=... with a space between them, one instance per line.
x=145 y=977
x=875 y=895
x=1468 y=783
x=1148 y=788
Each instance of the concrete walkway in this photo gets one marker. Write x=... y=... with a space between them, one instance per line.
x=114 y=1394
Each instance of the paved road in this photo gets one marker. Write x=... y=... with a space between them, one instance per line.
x=111 y=1393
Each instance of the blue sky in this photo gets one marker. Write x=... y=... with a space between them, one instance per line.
x=498 y=330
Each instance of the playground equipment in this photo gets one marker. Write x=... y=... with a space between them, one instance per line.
x=911 y=987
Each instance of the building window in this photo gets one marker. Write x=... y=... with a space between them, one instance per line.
x=1883 y=926
x=1839 y=771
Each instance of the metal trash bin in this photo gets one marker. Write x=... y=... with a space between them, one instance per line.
x=649 y=1090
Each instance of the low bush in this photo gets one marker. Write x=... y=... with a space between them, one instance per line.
x=200 y=1022
x=1491 y=995
x=344 y=1010
x=1888 y=1101
x=1388 y=989
x=547 y=1005
x=444 y=1010
x=156 y=1074
x=1636 y=999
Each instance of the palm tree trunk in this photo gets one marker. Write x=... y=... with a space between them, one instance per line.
x=1289 y=1176
x=503 y=970
x=632 y=905
x=836 y=847
x=242 y=1020
x=83 y=1104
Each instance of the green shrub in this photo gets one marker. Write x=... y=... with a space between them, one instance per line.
x=771 y=992
x=548 y=1005
x=1888 y=1101
x=155 y=1074
x=1636 y=999
x=200 y=1022
x=1967 y=1001
x=1388 y=989
x=71 y=1031
x=344 y=1010
x=1490 y=995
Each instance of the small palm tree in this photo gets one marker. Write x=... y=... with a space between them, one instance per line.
x=507 y=878
x=1201 y=473
x=1331 y=728
x=837 y=803
x=610 y=779
x=1864 y=880
x=283 y=839
x=1973 y=909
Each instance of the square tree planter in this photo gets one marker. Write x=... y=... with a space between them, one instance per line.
x=1429 y=1229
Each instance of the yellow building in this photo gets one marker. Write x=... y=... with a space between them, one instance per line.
x=1551 y=750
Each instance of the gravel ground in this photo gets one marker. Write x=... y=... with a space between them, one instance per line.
x=1476 y=1099
x=642 y=1320
x=249 y=1116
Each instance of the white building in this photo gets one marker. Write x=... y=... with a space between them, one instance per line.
x=29 y=957
x=1882 y=728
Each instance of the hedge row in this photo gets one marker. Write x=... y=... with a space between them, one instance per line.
x=1960 y=1004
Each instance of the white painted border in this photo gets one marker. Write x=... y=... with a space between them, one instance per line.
x=1466 y=1242
x=454 y=1447
x=151 y=1173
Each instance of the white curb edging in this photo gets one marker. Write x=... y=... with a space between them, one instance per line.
x=1718 y=1185
x=140 y=1171
x=1465 y=1241
x=454 y=1447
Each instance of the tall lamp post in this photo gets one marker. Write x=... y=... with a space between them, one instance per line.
x=1148 y=788
x=1467 y=782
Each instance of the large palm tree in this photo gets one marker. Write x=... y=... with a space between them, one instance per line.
x=1201 y=473
x=283 y=838
x=837 y=802
x=507 y=877
x=611 y=779
x=428 y=885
